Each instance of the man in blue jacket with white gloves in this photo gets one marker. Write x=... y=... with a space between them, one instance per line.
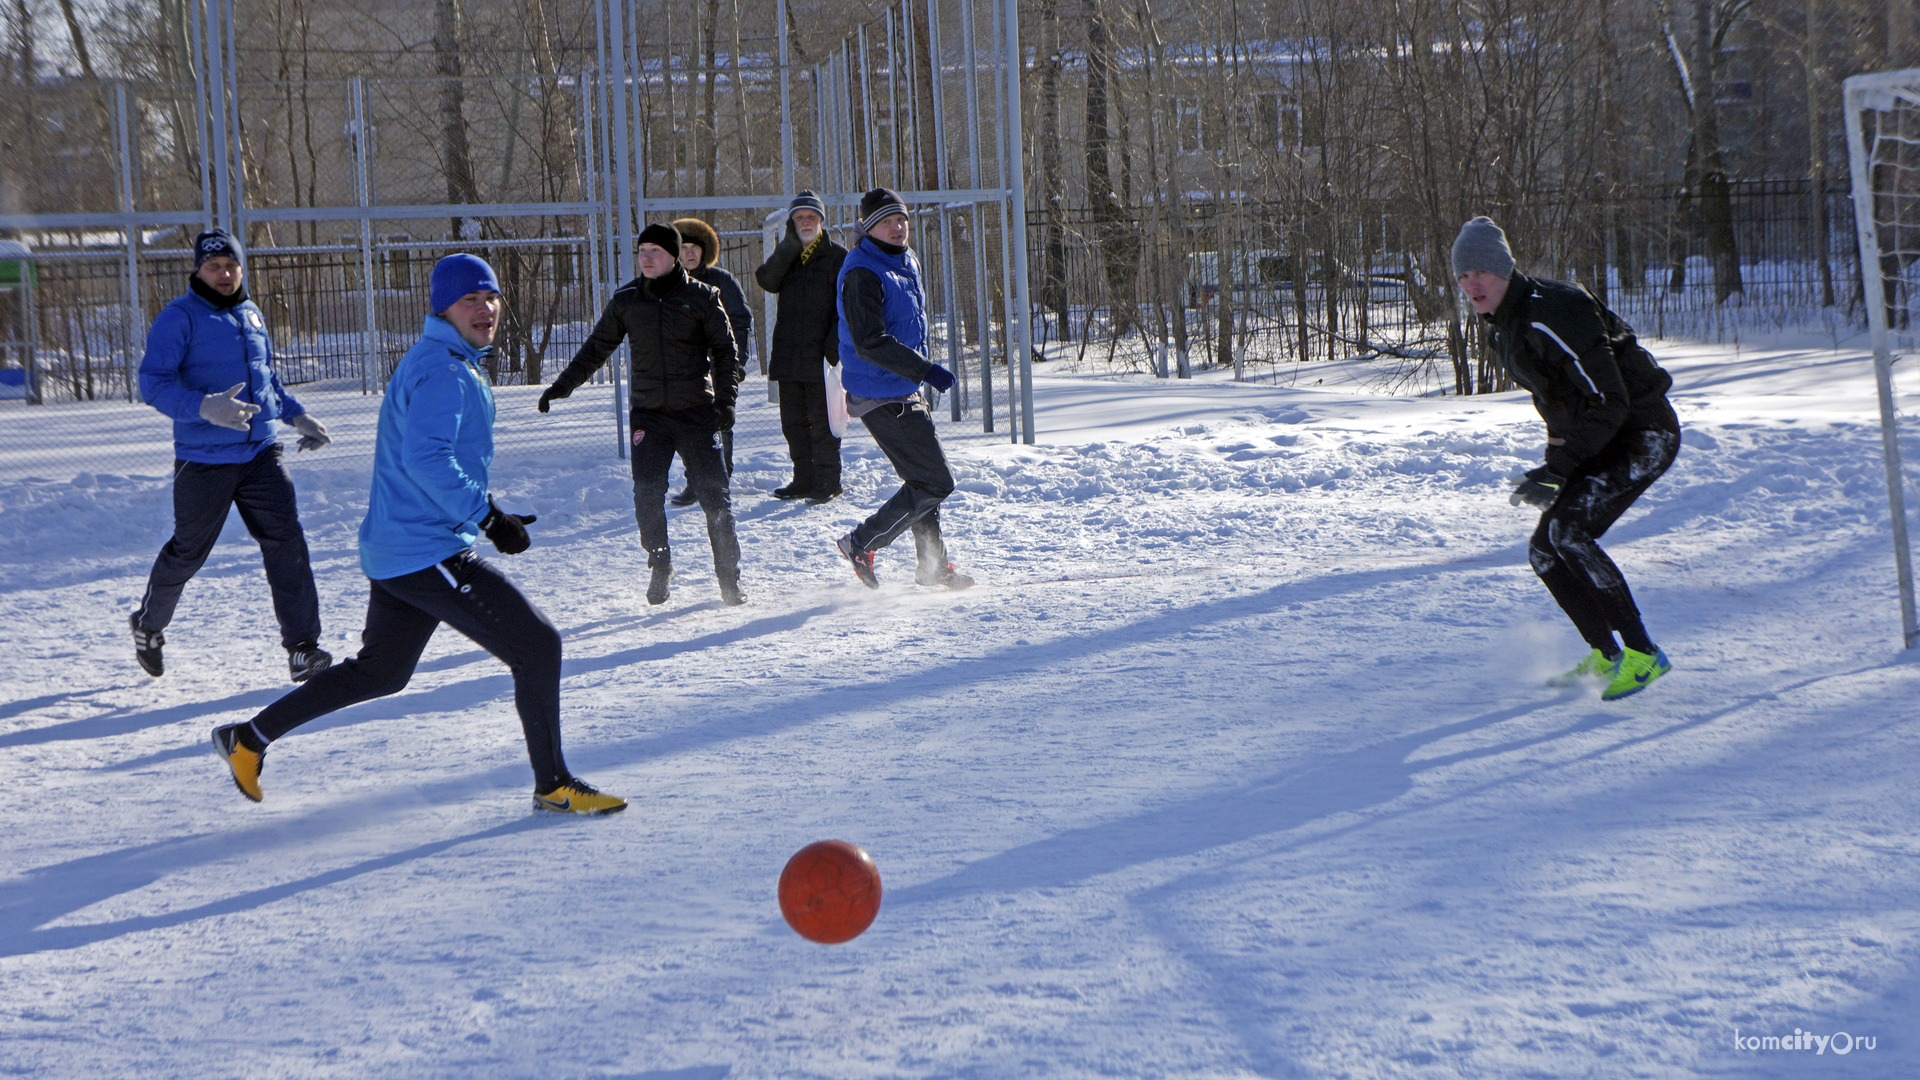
x=428 y=507
x=209 y=366
x=883 y=345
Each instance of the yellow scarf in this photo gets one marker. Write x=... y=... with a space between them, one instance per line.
x=807 y=252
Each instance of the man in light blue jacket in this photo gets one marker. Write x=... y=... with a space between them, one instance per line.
x=428 y=507
x=209 y=366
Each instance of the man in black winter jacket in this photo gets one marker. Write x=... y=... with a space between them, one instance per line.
x=682 y=399
x=1610 y=434
x=699 y=257
x=803 y=271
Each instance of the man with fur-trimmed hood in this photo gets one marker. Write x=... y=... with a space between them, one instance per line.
x=699 y=256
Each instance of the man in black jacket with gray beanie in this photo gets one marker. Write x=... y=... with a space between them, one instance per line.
x=682 y=399
x=802 y=272
x=1610 y=435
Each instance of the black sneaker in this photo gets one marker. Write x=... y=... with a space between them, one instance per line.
x=824 y=495
x=731 y=594
x=306 y=660
x=659 y=588
x=862 y=562
x=791 y=491
x=685 y=498
x=946 y=577
x=146 y=647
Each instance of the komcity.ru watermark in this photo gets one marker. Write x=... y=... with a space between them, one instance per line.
x=1839 y=1042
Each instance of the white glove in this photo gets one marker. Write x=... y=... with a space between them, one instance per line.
x=221 y=410
x=313 y=433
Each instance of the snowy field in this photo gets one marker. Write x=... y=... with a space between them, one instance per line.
x=1238 y=763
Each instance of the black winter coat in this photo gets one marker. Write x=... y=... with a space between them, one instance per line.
x=739 y=314
x=807 y=326
x=1589 y=376
x=679 y=339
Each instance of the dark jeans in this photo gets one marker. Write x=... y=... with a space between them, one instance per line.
x=906 y=435
x=402 y=614
x=810 y=440
x=691 y=434
x=263 y=491
x=1565 y=551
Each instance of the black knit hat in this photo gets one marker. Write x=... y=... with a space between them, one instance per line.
x=215 y=243
x=807 y=200
x=666 y=236
x=877 y=205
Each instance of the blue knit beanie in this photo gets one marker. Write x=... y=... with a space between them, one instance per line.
x=457 y=275
x=214 y=244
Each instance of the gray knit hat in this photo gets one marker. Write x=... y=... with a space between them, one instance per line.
x=807 y=200
x=1482 y=246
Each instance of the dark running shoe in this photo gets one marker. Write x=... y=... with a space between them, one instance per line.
x=791 y=491
x=946 y=577
x=306 y=660
x=862 y=562
x=685 y=498
x=661 y=586
x=731 y=594
x=823 y=495
x=146 y=647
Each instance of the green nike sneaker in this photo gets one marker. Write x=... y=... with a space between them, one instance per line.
x=1595 y=666
x=1635 y=673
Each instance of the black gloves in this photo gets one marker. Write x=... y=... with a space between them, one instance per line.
x=940 y=379
x=507 y=531
x=552 y=394
x=723 y=415
x=1539 y=488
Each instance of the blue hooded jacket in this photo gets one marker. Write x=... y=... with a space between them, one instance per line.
x=195 y=349
x=430 y=457
x=904 y=311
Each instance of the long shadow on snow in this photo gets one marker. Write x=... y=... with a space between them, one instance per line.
x=53 y=891
x=469 y=694
x=120 y=722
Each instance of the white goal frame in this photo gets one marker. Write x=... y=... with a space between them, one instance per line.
x=1881 y=92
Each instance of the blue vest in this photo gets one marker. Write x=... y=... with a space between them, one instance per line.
x=904 y=310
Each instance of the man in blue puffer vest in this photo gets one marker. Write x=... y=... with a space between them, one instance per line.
x=209 y=366
x=428 y=507
x=883 y=344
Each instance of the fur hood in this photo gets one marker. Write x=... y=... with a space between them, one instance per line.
x=695 y=231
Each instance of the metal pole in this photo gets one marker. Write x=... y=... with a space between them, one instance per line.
x=239 y=172
x=1006 y=226
x=622 y=239
x=1016 y=143
x=201 y=106
x=947 y=285
x=893 y=102
x=1870 y=271
x=217 y=112
x=363 y=194
x=134 y=315
x=786 y=107
x=590 y=187
x=972 y=111
x=866 y=110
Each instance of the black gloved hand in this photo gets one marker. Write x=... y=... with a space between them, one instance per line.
x=552 y=394
x=1538 y=488
x=507 y=531
x=940 y=379
x=723 y=415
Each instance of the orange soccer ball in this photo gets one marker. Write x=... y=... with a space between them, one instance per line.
x=830 y=892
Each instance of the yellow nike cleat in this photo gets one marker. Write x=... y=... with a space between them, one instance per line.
x=244 y=761
x=1595 y=666
x=576 y=796
x=1635 y=672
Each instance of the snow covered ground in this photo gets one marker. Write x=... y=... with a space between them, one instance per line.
x=1238 y=763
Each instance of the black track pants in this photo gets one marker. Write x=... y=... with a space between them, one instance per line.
x=1565 y=549
x=264 y=494
x=657 y=437
x=402 y=614
x=906 y=435
x=810 y=440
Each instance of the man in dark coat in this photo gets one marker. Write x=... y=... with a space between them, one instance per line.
x=1610 y=434
x=209 y=366
x=883 y=361
x=803 y=272
x=699 y=256
x=682 y=399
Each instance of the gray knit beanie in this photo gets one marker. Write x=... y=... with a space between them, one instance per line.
x=1482 y=246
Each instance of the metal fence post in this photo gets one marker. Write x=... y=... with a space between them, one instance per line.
x=133 y=315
